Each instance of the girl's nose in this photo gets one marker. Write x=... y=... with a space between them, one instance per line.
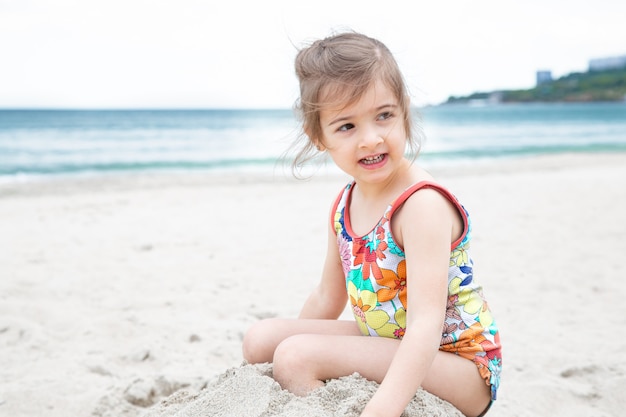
x=371 y=137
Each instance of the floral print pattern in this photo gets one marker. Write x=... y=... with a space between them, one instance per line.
x=376 y=282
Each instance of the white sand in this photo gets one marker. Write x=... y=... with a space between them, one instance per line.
x=116 y=293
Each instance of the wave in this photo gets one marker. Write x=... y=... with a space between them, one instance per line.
x=136 y=166
x=45 y=143
x=265 y=164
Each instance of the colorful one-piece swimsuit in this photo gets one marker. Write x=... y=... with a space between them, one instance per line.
x=375 y=270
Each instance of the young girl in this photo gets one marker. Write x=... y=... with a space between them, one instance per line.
x=397 y=251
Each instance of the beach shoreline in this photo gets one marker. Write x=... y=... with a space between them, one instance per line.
x=116 y=291
x=142 y=179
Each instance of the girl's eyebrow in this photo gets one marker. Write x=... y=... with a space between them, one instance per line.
x=343 y=118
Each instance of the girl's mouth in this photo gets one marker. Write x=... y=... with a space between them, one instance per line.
x=372 y=160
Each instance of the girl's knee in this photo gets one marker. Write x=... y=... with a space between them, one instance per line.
x=257 y=345
x=294 y=365
x=296 y=354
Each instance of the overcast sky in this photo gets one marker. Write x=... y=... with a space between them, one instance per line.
x=237 y=53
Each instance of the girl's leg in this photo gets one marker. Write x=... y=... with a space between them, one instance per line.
x=262 y=339
x=304 y=361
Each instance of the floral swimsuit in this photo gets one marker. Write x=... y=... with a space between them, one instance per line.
x=375 y=269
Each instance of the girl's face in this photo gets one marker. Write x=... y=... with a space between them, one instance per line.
x=366 y=139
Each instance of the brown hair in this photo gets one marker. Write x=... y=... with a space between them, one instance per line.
x=338 y=70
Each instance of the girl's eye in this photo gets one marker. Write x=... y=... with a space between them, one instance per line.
x=386 y=115
x=346 y=127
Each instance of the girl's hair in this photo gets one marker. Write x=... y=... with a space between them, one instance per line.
x=337 y=71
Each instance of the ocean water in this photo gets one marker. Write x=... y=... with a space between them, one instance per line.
x=36 y=144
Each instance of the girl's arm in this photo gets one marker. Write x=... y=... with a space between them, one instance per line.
x=329 y=298
x=426 y=224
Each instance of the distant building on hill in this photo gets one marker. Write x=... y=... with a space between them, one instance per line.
x=603 y=64
x=544 y=77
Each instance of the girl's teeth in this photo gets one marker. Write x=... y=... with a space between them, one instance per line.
x=372 y=160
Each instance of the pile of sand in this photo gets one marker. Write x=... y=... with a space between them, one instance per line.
x=249 y=391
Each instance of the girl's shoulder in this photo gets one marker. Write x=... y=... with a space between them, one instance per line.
x=412 y=191
x=429 y=199
x=342 y=196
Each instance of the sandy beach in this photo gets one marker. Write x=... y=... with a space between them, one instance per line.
x=129 y=295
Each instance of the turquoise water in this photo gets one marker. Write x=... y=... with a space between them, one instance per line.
x=523 y=129
x=40 y=143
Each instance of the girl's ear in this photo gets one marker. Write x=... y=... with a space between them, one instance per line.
x=315 y=141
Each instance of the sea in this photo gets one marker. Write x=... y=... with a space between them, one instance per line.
x=40 y=144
